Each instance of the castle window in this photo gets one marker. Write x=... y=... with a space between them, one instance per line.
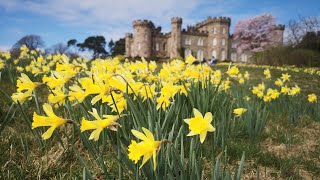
x=200 y=55
x=244 y=58
x=157 y=46
x=139 y=46
x=164 y=46
x=214 y=30
x=223 y=55
x=224 y=30
x=200 y=42
x=214 y=53
x=187 y=52
x=223 y=42
x=214 y=41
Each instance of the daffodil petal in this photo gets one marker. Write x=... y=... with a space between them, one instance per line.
x=148 y=133
x=139 y=135
x=48 y=133
x=197 y=113
x=191 y=133
x=211 y=128
x=208 y=117
x=146 y=157
x=95 y=114
x=187 y=121
x=48 y=110
x=95 y=134
x=203 y=135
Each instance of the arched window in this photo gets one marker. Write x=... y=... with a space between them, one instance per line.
x=200 y=55
x=214 y=42
x=187 y=52
x=223 y=55
x=214 y=53
x=224 y=30
x=244 y=58
x=214 y=30
x=200 y=42
x=188 y=41
x=157 y=46
x=223 y=42
x=164 y=46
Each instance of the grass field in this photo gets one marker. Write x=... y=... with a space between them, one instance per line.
x=286 y=147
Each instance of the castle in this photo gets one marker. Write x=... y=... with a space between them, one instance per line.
x=208 y=38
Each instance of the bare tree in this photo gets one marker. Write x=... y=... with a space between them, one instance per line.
x=31 y=41
x=59 y=48
x=297 y=29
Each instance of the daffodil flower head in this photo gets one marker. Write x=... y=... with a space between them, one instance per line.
x=99 y=124
x=239 y=111
x=147 y=147
x=200 y=125
x=51 y=120
x=312 y=98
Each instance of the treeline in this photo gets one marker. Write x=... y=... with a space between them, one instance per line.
x=99 y=47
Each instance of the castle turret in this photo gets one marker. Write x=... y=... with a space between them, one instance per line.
x=128 y=39
x=218 y=43
x=175 y=38
x=278 y=33
x=142 y=40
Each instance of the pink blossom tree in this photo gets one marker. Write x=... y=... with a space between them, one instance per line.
x=257 y=33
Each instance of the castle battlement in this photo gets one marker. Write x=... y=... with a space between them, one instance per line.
x=220 y=19
x=280 y=27
x=141 y=22
x=129 y=35
x=176 y=20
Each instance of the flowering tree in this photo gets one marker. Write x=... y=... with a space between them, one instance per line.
x=256 y=33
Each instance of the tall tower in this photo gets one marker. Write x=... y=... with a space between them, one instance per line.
x=175 y=39
x=218 y=35
x=128 y=44
x=142 y=40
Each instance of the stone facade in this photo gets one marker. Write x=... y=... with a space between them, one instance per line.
x=208 y=38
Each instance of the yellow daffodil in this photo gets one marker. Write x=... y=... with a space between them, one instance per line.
x=51 y=120
x=200 y=125
x=190 y=59
x=267 y=73
x=312 y=98
x=294 y=91
x=147 y=147
x=239 y=111
x=21 y=97
x=24 y=83
x=233 y=71
x=163 y=102
x=285 y=77
x=99 y=124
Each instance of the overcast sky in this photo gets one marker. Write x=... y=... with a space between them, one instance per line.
x=61 y=20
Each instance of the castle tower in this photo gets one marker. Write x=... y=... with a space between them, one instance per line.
x=278 y=33
x=128 y=44
x=142 y=39
x=175 y=39
x=218 y=38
